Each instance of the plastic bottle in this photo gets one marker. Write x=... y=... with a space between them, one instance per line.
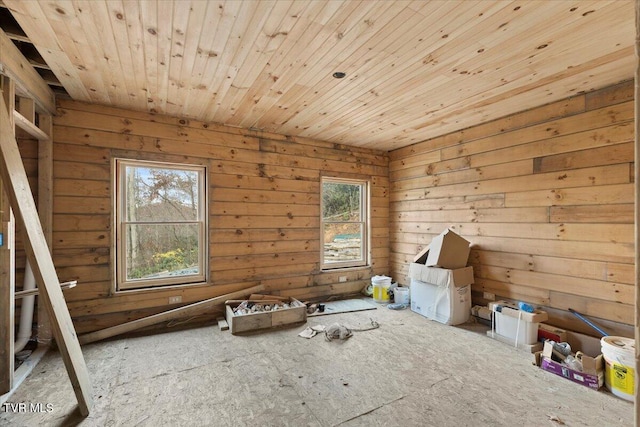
x=525 y=307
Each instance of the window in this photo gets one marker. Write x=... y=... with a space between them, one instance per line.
x=344 y=223
x=160 y=224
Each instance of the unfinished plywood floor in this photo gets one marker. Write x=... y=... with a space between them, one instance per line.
x=409 y=372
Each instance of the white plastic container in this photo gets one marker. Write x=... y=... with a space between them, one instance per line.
x=619 y=361
x=401 y=295
x=511 y=327
x=381 y=286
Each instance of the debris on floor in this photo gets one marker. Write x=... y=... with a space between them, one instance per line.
x=336 y=330
x=344 y=306
x=248 y=307
x=311 y=331
x=555 y=419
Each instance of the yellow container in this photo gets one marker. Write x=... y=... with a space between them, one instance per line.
x=381 y=286
x=619 y=358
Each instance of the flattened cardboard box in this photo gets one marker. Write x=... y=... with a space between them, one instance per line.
x=447 y=250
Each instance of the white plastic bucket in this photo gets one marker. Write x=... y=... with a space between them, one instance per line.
x=401 y=295
x=381 y=288
x=619 y=358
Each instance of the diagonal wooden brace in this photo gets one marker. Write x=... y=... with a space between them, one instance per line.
x=21 y=199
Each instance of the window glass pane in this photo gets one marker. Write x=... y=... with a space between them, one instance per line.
x=341 y=202
x=161 y=250
x=160 y=194
x=343 y=242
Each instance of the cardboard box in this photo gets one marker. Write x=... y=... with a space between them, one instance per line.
x=264 y=320
x=531 y=348
x=549 y=332
x=447 y=250
x=585 y=343
x=441 y=276
x=592 y=374
x=440 y=294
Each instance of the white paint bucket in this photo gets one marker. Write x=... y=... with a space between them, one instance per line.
x=619 y=359
x=401 y=295
x=381 y=288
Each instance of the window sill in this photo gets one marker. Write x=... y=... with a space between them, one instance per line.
x=155 y=289
x=340 y=269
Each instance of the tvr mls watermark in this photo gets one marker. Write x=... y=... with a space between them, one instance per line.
x=23 y=407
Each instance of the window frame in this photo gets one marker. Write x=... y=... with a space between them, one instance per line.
x=120 y=196
x=365 y=220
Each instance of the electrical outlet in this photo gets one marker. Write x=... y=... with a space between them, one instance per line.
x=342 y=279
x=489 y=296
x=175 y=300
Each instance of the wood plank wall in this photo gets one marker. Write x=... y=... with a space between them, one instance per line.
x=546 y=198
x=264 y=197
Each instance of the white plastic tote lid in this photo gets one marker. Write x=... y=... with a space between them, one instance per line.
x=618 y=343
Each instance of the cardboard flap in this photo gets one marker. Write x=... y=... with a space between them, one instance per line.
x=590 y=364
x=448 y=250
x=587 y=344
x=547 y=350
x=441 y=276
x=421 y=258
x=512 y=311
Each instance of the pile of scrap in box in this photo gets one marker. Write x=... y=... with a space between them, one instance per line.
x=263 y=311
x=441 y=281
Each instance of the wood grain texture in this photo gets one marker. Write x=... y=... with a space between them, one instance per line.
x=7 y=264
x=636 y=171
x=45 y=209
x=264 y=202
x=552 y=221
x=414 y=70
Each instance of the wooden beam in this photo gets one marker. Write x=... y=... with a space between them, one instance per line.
x=45 y=210
x=176 y=313
x=29 y=127
x=30 y=292
x=636 y=167
x=17 y=187
x=27 y=79
x=7 y=270
x=222 y=324
x=27 y=107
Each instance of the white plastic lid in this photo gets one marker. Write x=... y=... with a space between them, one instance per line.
x=618 y=344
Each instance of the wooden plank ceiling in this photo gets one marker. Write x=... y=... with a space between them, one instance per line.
x=414 y=69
